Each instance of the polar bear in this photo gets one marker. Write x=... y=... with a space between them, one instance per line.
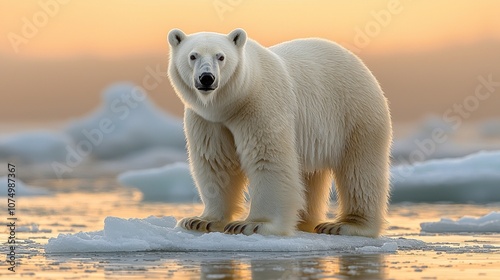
x=286 y=121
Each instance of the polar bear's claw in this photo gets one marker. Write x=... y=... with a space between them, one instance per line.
x=347 y=227
x=246 y=228
x=199 y=224
x=329 y=228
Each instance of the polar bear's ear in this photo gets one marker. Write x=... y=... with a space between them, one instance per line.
x=238 y=37
x=175 y=37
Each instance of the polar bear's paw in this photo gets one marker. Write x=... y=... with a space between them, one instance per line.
x=200 y=224
x=357 y=226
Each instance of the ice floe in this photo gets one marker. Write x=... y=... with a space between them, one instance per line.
x=160 y=234
x=474 y=178
x=486 y=223
x=33 y=228
x=171 y=183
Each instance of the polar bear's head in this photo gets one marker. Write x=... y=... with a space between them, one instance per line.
x=204 y=62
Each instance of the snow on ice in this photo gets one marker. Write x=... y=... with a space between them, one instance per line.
x=486 y=223
x=160 y=234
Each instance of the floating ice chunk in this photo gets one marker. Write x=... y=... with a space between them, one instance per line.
x=21 y=189
x=33 y=228
x=486 y=223
x=387 y=247
x=150 y=158
x=474 y=178
x=127 y=122
x=154 y=233
x=34 y=147
x=171 y=183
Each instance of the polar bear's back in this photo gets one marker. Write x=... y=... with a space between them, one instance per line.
x=328 y=65
x=335 y=94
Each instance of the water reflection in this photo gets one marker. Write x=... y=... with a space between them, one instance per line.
x=221 y=265
x=362 y=266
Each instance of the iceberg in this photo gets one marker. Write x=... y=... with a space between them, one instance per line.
x=126 y=122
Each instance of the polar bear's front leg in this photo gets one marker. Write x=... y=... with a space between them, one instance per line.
x=216 y=172
x=268 y=157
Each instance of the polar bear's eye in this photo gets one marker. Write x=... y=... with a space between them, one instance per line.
x=221 y=58
x=192 y=57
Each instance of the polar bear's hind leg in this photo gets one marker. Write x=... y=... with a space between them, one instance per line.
x=362 y=184
x=317 y=193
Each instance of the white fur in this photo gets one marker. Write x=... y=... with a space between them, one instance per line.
x=287 y=120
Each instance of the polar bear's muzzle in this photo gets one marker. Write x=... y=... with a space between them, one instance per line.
x=206 y=82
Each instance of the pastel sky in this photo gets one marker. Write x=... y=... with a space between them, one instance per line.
x=58 y=28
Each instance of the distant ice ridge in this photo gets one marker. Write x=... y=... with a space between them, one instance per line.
x=474 y=178
x=154 y=233
x=21 y=189
x=127 y=132
x=126 y=123
x=171 y=183
x=435 y=138
x=490 y=128
x=486 y=223
x=34 y=147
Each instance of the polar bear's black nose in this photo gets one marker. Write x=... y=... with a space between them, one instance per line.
x=207 y=79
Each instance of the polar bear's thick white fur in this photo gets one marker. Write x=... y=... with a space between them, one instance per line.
x=285 y=121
